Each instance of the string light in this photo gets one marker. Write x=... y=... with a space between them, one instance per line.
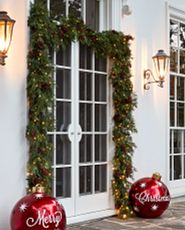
x=40 y=97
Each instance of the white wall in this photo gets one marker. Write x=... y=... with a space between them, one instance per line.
x=148 y=24
x=180 y=4
x=13 y=113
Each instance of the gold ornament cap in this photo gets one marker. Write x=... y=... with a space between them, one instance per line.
x=38 y=188
x=156 y=176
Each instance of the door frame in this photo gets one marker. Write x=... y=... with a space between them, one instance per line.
x=176 y=187
x=71 y=202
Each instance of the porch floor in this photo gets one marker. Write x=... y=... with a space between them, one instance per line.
x=172 y=218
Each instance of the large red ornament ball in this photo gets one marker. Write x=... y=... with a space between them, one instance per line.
x=149 y=197
x=38 y=211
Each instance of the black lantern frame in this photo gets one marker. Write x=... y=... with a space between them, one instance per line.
x=6 y=31
x=161 y=63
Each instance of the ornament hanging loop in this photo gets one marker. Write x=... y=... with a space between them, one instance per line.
x=156 y=176
x=38 y=188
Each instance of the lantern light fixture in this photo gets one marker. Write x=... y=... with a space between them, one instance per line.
x=161 y=62
x=6 y=30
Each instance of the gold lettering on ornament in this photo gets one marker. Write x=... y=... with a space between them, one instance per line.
x=45 y=220
x=145 y=197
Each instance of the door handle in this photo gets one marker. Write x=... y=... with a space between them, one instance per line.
x=79 y=133
x=70 y=132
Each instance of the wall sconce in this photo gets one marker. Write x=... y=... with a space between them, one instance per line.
x=161 y=61
x=6 y=30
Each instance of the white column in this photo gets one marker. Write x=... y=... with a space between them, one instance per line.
x=115 y=14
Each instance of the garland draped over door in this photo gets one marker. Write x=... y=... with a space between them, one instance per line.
x=45 y=35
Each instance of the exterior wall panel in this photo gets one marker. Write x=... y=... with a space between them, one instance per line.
x=148 y=24
x=13 y=105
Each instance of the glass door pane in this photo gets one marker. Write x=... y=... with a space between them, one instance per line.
x=75 y=8
x=100 y=178
x=93 y=108
x=86 y=121
x=92 y=14
x=85 y=182
x=63 y=146
x=57 y=8
x=80 y=162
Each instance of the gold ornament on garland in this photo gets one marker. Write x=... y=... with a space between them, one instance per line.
x=46 y=35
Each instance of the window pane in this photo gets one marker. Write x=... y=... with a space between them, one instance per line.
x=171 y=141
x=182 y=35
x=63 y=149
x=100 y=87
x=85 y=86
x=177 y=141
x=100 y=118
x=177 y=168
x=85 y=178
x=85 y=57
x=173 y=60
x=172 y=114
x=172 y=88
x=86 y=148
x=41 y=1
x=100 y=148
x=92 y=14
x=51 y=140
x=180 y=88
x=170 y=167
x=100 y=64
x=63 y=112
x=86 y=116
x=100 y=178
x=63 y=84
x=63 y=182
x=75 y=8
x=180 y=114
x=57 y=8
x=63 y=56
x=182 y=61
x=173 y=33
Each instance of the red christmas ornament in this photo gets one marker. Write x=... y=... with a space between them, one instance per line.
x=38 y=211
x=149 y=197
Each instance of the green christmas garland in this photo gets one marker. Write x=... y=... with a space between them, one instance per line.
x=46 y=35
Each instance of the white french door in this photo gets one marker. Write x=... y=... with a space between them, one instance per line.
x=80 y=138
x=81 y=161
x=177 y=106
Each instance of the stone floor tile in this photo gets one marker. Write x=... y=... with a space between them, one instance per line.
x=172 y=219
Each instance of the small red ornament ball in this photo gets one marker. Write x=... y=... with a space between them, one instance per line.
x=38 y=211
x=149 y=197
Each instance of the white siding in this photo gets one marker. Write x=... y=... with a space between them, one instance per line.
x=148 y=24
x=13 y=150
